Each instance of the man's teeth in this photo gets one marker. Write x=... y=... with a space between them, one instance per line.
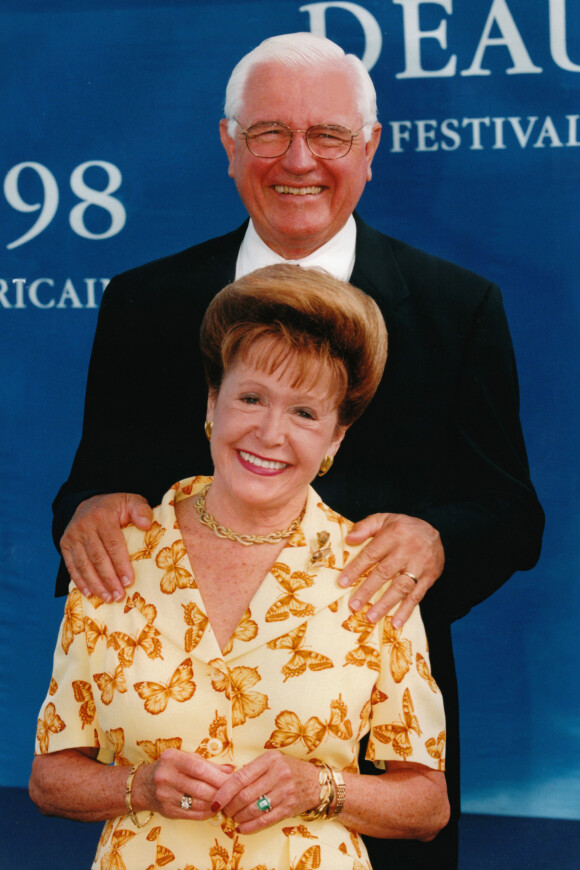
x=262 y=463
x=296 y=191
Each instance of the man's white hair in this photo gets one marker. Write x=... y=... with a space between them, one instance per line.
x=296 y=51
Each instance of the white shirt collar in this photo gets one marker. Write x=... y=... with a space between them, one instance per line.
x=336 y=256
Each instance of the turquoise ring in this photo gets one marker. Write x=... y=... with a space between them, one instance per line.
x=263 y=804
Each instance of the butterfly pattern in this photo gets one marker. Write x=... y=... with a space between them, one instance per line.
x=117 y=737
x=153 y=749
x=424 y=671
x=111 y=683
x=146 y=675
x=50 y=723
x=237 y=685
x=83 y=693
x=148 y=611
x=400 y=650
x=399 y=733
x=74 y=621
x=436 y=749
x=197 y=621
x=151 y=541
x=126 y=644
x=180 y=687
x=246 y=631
x=94 y=632
x=365 y=654
x=300 y=658
x=289 y=604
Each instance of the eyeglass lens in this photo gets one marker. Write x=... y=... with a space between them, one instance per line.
x=273 y=140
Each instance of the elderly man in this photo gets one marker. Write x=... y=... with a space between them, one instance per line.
x=436 y=473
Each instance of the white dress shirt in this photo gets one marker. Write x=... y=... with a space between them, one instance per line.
x=336 y=256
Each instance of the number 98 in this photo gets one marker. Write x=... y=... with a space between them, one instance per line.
x=48 y=204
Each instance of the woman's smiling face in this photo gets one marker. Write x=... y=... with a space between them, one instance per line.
x=271 y=431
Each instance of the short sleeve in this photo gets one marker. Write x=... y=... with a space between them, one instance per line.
x=407 y=721
x=68 y=716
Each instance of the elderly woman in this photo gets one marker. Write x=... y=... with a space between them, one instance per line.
x=232 y=687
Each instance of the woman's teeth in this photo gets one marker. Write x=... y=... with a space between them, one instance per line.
x=262 y=463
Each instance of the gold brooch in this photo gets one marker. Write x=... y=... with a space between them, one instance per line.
x=319 y=553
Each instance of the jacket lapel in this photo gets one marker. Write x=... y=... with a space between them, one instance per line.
x=375 y=268
x=218 y=267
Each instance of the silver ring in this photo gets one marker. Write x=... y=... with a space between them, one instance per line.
x=412 y=576
x=263 y=804
x=186 y=801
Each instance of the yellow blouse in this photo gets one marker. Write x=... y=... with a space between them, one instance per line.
x=301 y=673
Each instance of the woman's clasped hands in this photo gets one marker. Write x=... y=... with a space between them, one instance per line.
x=180 y=785
x=272 y=787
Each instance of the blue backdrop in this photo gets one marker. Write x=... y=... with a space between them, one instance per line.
x=110 y=157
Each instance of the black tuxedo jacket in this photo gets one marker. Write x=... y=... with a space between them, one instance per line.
x=441 y=439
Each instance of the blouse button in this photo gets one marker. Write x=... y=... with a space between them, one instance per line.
x=215 y=746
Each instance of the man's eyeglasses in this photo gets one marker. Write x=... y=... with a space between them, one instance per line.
x=272 y=139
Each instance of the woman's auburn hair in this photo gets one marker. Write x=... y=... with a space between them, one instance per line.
x=309 y=317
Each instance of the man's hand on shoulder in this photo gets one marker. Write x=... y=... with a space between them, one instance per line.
x=93 y=546
x=403 y=549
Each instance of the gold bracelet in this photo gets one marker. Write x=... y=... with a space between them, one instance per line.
x=332 y=785
x=129 y=797
x=340 y=790
x=327 y=793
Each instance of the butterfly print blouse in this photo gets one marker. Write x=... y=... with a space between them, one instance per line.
x=301 y=674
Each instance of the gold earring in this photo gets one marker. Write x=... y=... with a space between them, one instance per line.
x=325 y=465
x=208 y=427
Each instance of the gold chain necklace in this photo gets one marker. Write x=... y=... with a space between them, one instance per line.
x=223 y=532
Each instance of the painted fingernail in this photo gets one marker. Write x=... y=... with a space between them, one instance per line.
x=216 y=806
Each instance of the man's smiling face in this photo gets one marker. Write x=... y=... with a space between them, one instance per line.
x=298 y=201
